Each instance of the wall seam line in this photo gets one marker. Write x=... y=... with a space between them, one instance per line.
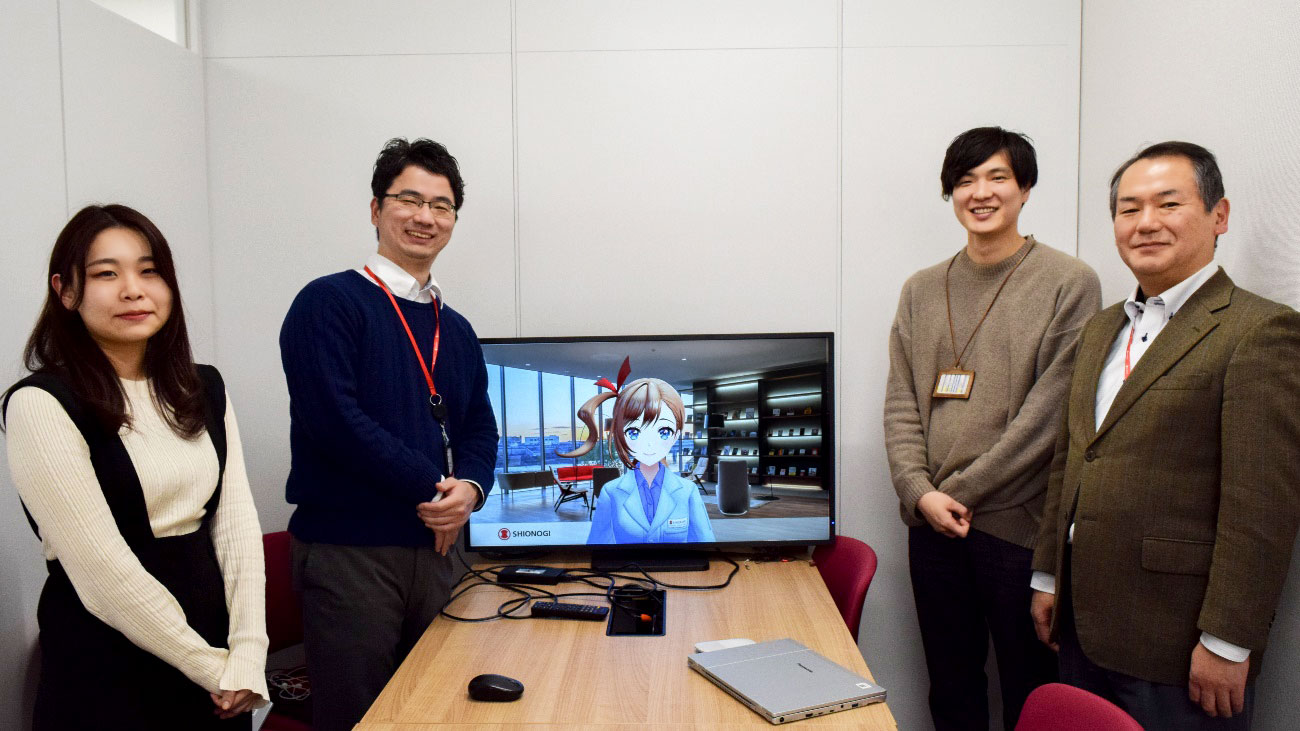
x=1078 y=151
x=514 y=163
x=192 y=33
x=63 y=113
x=839 y=254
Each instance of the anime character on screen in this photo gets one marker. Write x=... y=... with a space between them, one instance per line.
x=649 y=503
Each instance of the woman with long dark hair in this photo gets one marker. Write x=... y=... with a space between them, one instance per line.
x=127 y=458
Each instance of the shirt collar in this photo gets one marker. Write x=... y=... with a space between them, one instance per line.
x=1173 y=298
x=640 y=478
x=402 y=284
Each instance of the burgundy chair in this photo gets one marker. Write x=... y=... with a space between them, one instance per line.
x=847 y=566
x=1060 y=707
x=283 y=615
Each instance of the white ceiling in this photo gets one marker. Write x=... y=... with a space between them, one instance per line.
x=679 y=361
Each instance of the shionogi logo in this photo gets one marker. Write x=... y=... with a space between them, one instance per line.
x=506 y=534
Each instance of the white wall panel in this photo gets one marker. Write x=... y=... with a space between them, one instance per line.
x=588 y=25
x=134 y=120
x=241 y=28
x=1223 y=75
x=902 y=107
x=292 y=144
x=959 y=23
x=32 y=205
x=689 y=191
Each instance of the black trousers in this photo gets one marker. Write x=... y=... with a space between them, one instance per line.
x=364 y=608
x=93 y=677
x=1154 y=705
x=968 y=590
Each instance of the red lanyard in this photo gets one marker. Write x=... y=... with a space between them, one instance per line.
x=1128 y=368
x=437 y=334
x=436 y=406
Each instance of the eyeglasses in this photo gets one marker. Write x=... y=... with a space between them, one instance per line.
x=413 y=203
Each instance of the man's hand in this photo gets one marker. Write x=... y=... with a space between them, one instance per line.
x=945 y=515
x=231 y=703
x=446 y=516
x=1217 y=684
x=1041 y=606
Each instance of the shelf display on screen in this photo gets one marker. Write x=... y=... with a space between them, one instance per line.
x=646 y=424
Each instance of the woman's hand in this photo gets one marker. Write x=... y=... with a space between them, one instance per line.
x=231 y=703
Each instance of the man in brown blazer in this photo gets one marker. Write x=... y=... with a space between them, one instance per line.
x=1175 y=489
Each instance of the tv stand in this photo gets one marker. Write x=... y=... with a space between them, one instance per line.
x=649 y=561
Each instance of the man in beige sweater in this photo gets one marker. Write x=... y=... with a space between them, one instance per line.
x=980 y=356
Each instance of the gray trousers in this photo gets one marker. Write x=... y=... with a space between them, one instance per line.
x=364 y=608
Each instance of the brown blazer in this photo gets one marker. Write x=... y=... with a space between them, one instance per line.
x=1186 y=499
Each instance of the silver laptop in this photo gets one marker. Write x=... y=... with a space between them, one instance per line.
x=784 y=681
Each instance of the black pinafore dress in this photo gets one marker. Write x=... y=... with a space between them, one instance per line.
x=92 y=676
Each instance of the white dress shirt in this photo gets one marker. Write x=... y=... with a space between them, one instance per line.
x=1146 y=320
x=399 y=282
x=403 y=285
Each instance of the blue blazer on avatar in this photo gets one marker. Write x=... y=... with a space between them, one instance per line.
x=680 y=516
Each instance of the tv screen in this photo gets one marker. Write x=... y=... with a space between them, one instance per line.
x=660 y=442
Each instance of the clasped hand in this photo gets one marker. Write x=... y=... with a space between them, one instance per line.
x=944 y=514
x=231 y=703
x=446 y=516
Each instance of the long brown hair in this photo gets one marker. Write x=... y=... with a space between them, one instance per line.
x=60 y=343
x=639 y=401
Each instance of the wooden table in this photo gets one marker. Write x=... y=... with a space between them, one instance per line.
x=576 y=677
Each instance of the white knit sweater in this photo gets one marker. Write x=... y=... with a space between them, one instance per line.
x=51 y=467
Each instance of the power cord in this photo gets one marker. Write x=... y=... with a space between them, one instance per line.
x=635 y=588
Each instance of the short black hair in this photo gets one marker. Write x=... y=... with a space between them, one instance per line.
x=971 y=148
x=1209 y=181
x=433 y=157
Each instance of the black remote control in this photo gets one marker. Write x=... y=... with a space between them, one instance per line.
x=559 y=610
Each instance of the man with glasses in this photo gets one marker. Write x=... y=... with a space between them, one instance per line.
x=979 y=361
x=392 y=436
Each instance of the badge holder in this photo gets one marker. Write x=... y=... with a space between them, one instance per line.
x=953 y=383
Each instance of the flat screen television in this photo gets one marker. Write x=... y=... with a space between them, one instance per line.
x=742 y=427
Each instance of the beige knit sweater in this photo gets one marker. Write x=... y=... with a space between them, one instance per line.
x=992 y=451
x=51 y=467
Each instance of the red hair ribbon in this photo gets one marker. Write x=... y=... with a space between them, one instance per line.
x=622 y=376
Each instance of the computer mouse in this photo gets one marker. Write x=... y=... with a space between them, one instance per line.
x=491 y=687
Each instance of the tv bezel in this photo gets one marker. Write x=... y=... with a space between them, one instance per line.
x=828 y=405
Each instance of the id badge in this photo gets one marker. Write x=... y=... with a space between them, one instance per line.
x=953 y=383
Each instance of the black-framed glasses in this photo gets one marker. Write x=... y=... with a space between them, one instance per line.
x=413 y=203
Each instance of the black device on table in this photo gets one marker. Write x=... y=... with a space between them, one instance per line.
x=637 y=611
x=497 y=688
x=564 y=610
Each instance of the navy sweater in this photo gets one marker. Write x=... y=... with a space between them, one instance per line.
x=365 y=447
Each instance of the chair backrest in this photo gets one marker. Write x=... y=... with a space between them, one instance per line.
x=600 y=476
x=1060 y=707
x=701 y=465
x=847 y=566
x=733 y=486
x=283 y=610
